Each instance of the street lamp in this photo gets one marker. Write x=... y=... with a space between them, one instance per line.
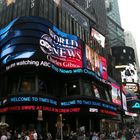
x=61 y=125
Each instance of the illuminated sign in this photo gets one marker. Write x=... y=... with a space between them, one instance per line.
x=93 y=110
x=36 y=108
x=59 y=106
x=31 y=99
x=88 y=102
x=129 y=74
x=136 y=105
x=116 y=98
x=30 y=63
x=124 y=101
x=96 y=63
x=98 y=37
x=132 y=86
x=40 y=44
x=44 y=42
x=63 y=52
x=131 y=114
x=107 y=112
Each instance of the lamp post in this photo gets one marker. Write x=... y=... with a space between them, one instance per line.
x=122 y=120
x=61 y=126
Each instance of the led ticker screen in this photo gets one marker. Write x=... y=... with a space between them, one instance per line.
x=96 y=63
x=38 y=39
x=50 y=102
x=34 y=108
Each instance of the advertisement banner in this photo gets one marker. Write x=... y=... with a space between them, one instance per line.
x=116 y=98
x=96 y=63
x=98 y=37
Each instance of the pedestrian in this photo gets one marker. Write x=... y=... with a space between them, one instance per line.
x=95 y=136
x=49 y=136
x=27 y=136
x=35 y=135
x=3 y=137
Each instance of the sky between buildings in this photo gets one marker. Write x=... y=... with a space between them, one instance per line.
x=130 y=19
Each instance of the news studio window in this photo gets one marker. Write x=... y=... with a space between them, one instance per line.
x=95 y=91
x=27 y=84
x=87 y=88
x=13 y=85
x=73 y=88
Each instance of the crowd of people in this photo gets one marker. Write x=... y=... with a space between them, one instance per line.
x=125 y=134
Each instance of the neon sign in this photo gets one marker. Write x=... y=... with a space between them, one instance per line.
x=136 y=105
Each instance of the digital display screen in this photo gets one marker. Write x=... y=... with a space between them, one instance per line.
x=129 y=74
x=44 y=101
x=96 y=63
x=116 y=98
x=98 y=37
x=34 y=41
x=37 y=39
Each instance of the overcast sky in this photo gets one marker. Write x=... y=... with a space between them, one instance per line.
x=130 y=19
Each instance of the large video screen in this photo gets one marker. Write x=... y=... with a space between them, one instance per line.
x=34 y=38
x=96 y=63
x=116 y=97
x=129 y=73
x=98 y=37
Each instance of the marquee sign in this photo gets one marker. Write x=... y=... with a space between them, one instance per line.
x=50 y=102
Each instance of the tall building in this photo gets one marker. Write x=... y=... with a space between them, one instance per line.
x=53 y=68
x=130 y=41
x=115 y=31
x=113 y=10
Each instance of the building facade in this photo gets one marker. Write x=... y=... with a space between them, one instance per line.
x=53 y=69
x=130 y=41
x=115 y=32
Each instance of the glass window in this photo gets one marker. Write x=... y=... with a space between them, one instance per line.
x=95 y=91
x=124 y=50
x=107 y=96
x=87 y=89
x=14 y=87
x=73 y=88
x=27 y=84
x=42 y=86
